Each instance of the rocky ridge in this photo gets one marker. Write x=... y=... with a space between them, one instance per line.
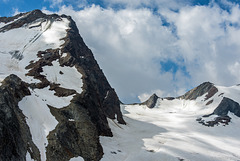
x=81 y=122
x=209 y=92
x=15 y=136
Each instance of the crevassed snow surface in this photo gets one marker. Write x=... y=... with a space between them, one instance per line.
x=170 y=132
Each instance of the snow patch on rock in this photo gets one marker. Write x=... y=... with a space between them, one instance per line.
x=67 y=77
x=77 y=159
x=28 y=157
x=39 y=118
x=26 y=41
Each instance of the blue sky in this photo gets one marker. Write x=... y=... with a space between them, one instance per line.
x=8 y=7
x=154 y=46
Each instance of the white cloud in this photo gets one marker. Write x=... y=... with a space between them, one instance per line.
x=74 y=3
x=235 y=70
x=130 y=43
x=208 y=42
x=44 y=10
x=126 y=44
x=15 y=11
x=170 y=4
x=54 y=3
x=145 y=96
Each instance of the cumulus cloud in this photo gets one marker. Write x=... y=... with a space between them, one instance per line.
x=170 y=4
x=145 y=96
x=77 y=4
x=128 y=45
x=54 y=3
x=132 y=44
x=209 y=42
x=15 y=11
x=235 y=70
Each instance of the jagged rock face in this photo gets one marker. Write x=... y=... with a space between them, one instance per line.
x=151 y=102
x=80 y=122
x=15 y=136
x=95 y=83
x=9 y=19
x=206 y=87
x=227 y=105
x=75 y=135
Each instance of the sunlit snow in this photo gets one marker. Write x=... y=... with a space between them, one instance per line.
x=67 y=77
x=28 y=157
x=26 y=42
x=77 y=159
x=170 y=132
x=39 y=117
x=20 y=46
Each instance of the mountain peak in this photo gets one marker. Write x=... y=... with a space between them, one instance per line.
x=35 y=12
x=70 y=98
x=151 y=102
x=206 y=87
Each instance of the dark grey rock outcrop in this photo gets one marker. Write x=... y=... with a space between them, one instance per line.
x=227 y=105
x=200 y=90
x=82 y=122
x=224 y=120
x=151 y=102
x=74 y=136
x=15 y=136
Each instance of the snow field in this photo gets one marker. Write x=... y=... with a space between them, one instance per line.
x=170 y=132
x=230 y=92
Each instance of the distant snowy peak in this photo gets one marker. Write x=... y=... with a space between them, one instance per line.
x=206 y=99
x=70 y=98
x=200 y=90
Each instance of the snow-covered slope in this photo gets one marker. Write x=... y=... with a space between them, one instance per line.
x=68 y=98
x=170 y=132
x=55 y=101
x=19 y=47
